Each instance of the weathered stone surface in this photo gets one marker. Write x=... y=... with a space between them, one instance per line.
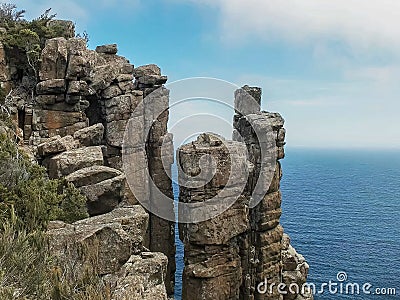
x=79 y=88
x=104 y=74
x=248 y=100
x=142 y=277
x=255 y=233
x=147 y=70
x=230 y=158
x=107 y=49
x=295 y=271
x=90 y=136
x=115 y=132
x=152 y=79
x=54 y=59
x=111 y=238
x=52 y=86
x=127 y=86
x=50 y=99
x=104 y=196
x=78 y=67
x=221 y=229
x=92 y=175
x=112 y=91
x=63 y=131
x=48 y=119
x=76 y=46
x=120 y=107
x=57 y=145
x=115 y=162
x=217 y=276
x=212 y=262
x=124 y=78
x=70 y=161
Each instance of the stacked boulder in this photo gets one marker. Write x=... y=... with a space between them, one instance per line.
x=80 y=160
x=84 y=100
x=212 y=257
x=294 y=272
x=113 y=245
x=243 y=253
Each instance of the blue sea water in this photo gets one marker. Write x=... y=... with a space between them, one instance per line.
x=342 y=211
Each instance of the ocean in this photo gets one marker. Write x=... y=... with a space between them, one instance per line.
x=342 y=211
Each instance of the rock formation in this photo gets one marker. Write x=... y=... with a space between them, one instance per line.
x=227 y=257
x=74 y=119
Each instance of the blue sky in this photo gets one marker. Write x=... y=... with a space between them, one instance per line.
x=331 y=68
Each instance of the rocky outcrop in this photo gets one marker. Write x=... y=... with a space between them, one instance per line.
x=74 y=120
x=295 y=270
x=230 y=255
x=142 y=277
x=113 y=238
x=212 y=258
x=84 y=101
x=113 y=245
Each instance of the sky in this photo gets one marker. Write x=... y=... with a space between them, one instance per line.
x=331 y=68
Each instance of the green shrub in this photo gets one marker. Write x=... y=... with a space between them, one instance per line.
x=25 y=188
x=23 y=264
x=28 y=201
x=26 y=37
x=28 y=272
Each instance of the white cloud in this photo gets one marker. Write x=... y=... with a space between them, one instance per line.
x=359 y=23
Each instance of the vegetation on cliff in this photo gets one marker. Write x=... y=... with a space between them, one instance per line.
x=20 y=36
x=29 y=200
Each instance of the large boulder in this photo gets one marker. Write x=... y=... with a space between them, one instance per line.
x=68 y=27
x=56 y=145
x=51 y=86
x=54 y=59
x=92 y=175
x=147 y=70
x=103 y=75
x=103 y=187
x=111 y=238
x=107 y=49
x=50 y=119
x=142 y=277
x=90 y=136
x=104 y=196
x=70 y=161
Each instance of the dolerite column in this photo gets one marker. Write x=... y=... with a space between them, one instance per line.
x=161 y=232
x=260 y=247
x=212 y=261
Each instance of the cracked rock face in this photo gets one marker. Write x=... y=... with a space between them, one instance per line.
x=70 y=161
x=74 y=120
x=227 y=256
x=75 y=125
x=141 y=277
x=113 y=238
